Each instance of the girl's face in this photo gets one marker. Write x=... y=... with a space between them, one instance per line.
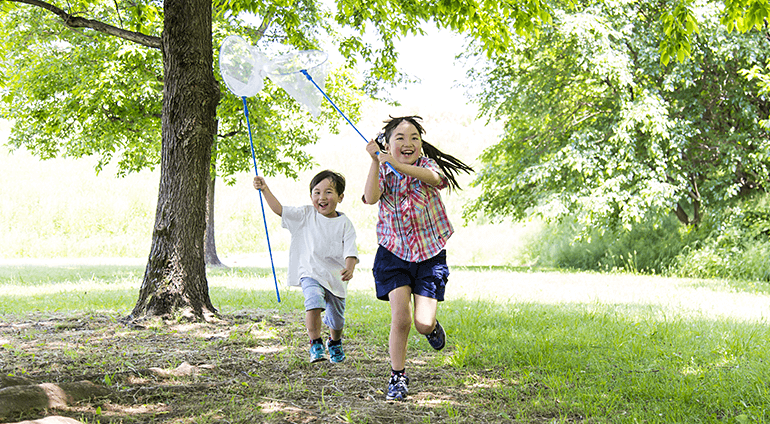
x=405 y=143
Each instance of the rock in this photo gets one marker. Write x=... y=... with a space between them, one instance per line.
x=53 y=419
x=26 y=398
x=8 y=381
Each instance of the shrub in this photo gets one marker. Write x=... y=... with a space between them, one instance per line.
x=647 y=248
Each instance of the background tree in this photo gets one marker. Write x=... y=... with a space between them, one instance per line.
x=597 y=127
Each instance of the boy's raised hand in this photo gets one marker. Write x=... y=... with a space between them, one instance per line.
x=275 y=205
x=259 y=183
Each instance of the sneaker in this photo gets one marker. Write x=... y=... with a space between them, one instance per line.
x=336 y=354
x=317 y=352
x=437 y=337
x=397 y=389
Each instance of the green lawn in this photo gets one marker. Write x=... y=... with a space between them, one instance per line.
x=515 y=353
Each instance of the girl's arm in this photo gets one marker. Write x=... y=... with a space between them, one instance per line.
x=428 y=176
x=275 y=205
x=372 y=191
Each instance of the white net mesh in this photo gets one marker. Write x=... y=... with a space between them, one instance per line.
x=241 y=66
x=286 y=72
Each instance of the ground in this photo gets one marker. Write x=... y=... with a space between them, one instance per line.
x=248 y=367
x=252 y=366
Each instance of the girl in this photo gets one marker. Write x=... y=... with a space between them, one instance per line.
x=412 y=231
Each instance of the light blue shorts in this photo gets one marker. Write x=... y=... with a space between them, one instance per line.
x=318 y=297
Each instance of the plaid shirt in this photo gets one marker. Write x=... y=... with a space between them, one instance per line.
x=413 y=223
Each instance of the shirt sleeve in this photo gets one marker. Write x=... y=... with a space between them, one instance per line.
x=292 y=217
x=431 y=164
x=349 y=247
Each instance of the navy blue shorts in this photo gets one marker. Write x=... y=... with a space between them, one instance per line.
x=427 y=278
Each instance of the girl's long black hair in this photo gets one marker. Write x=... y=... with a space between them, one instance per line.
x=449 y=164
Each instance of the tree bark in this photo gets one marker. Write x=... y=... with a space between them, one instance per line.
x=209 y=242
x=681 y=214
x=696 y=217
x=175 y=277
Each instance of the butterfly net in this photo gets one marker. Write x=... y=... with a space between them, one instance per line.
x=286 y=71
x=241 y=66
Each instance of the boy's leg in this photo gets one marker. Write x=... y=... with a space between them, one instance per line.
x=335 y=320
x=400 y=325
x=314 y=305
x=335 y=334
x=313 y=323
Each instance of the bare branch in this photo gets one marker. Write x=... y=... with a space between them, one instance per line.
x=78 y=22
x=265 y=22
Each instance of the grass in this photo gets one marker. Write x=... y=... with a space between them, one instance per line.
x=532 y=360
x=524 y=346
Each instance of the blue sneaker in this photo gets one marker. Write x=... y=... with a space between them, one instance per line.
x=397 y=389
x=437 y=337
x=317 y=352
x=336 y=354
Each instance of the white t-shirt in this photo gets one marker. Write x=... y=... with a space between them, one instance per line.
x=319 y=246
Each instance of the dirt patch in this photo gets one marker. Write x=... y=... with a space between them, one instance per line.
x=248 y=367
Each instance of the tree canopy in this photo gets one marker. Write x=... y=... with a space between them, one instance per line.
x=77 y=93
x=596 y=126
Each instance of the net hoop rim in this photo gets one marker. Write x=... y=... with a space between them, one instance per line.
x=318 y=58
x=257 y=59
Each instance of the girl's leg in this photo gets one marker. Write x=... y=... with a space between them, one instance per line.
x=400 y=325
x=424 y=314
x=313 y=323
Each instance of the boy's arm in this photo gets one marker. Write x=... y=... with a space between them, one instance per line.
x=350 y=266
x=272 y=201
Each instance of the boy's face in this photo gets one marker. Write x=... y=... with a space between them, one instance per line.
x=325 y=198
x=405 y=143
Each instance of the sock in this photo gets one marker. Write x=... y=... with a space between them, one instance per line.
x=318 y=340
x=334 y=342
x=394 y=373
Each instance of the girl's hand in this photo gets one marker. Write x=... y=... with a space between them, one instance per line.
x=260 y=184
x=373 y=149
x=386 y=157
x=347 y=274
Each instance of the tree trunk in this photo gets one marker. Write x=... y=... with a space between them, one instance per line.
x=696 y=213
x=681 y=214
x=209 y=243
x=175 y=278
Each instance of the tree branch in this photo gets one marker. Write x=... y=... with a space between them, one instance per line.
x=265 y=23
x=681 y=214
x=78 y=22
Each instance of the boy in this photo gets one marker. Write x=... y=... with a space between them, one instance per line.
x=322 y=258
